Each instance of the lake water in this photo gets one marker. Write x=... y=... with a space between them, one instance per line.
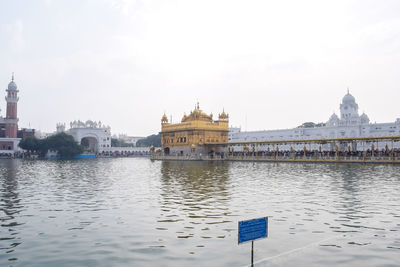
x=138 y=212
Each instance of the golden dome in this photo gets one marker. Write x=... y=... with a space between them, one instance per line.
x=164 y=119
x=223 y=116
x=197 y=114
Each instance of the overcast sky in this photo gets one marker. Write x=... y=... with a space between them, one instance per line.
x=276 y=63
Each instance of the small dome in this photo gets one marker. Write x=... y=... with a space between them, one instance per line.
x=333 y=120
x=164 y=119
x=334 y=117
x=223 y=115
x=12 y=86
x=364 y=118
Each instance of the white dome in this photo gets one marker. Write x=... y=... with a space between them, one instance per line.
x=364 y=118
x=348 y=98
x=12 y=86
x=333 y=120
x=334 y=117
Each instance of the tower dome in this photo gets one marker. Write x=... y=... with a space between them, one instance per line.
x=333 y=120
x=334 y=117
x=12 y=86
x=348 y=98
x=364 y=118
x=223 y=116
x=164 y=119
x=349 y=109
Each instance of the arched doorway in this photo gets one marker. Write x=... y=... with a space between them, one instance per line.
x=89 y=144
x=166 y=151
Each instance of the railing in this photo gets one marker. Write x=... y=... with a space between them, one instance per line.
x=285 y=158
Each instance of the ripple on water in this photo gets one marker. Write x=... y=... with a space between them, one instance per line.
x=135 y=212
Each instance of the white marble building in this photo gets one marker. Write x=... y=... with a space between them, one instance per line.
x=129 y=139
x=350 y=124
x=96 y=135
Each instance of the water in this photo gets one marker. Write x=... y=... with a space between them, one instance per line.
x=135 y=212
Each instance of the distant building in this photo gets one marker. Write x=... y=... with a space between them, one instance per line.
x=197 y=134
x=25 y=133
x=349 y=125
x=132 y=140
x=95 y=136
x=9 y=125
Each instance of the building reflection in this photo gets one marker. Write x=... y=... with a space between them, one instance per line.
x=77 y=181
x=11 y=206
x=194 y=193
x=349 y=185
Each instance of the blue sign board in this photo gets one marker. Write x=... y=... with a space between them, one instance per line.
x=253 y=229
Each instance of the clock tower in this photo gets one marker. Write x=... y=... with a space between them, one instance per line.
x=11 y=120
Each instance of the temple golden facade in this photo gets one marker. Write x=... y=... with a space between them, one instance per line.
x=196 y=135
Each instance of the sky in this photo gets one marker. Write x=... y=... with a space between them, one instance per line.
x=269 y=64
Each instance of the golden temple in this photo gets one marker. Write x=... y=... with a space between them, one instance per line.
x=197 y=134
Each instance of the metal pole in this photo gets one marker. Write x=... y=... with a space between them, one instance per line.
x=392 y=150
x=363 y=143
x=252 y=253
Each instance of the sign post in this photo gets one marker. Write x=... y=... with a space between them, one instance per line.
x=251 y=230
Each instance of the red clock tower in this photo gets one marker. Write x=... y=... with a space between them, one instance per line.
x=11 y=119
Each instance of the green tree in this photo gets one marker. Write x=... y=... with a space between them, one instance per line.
x=311 y=125
x=152 y=140
x=30 y=143
x=115 y=142
x=63 y=143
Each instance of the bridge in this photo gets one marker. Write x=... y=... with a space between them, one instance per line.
x=383 y=149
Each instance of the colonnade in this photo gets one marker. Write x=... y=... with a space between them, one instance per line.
x=361 y=149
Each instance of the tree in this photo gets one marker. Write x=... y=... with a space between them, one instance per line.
x=311 y=125
x=30 y=143
x=152 y=140
x=63 y=143
x=115 y=142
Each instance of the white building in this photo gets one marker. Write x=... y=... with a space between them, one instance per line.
x=129 y=139
x=94 y=135
x=349 y=125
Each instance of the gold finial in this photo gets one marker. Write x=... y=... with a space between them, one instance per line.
x=12 y=77
x=164 y=118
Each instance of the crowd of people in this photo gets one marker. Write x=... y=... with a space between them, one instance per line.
x=19 y=154
x=30 y=155
x=123 y=154
x=367 y=154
